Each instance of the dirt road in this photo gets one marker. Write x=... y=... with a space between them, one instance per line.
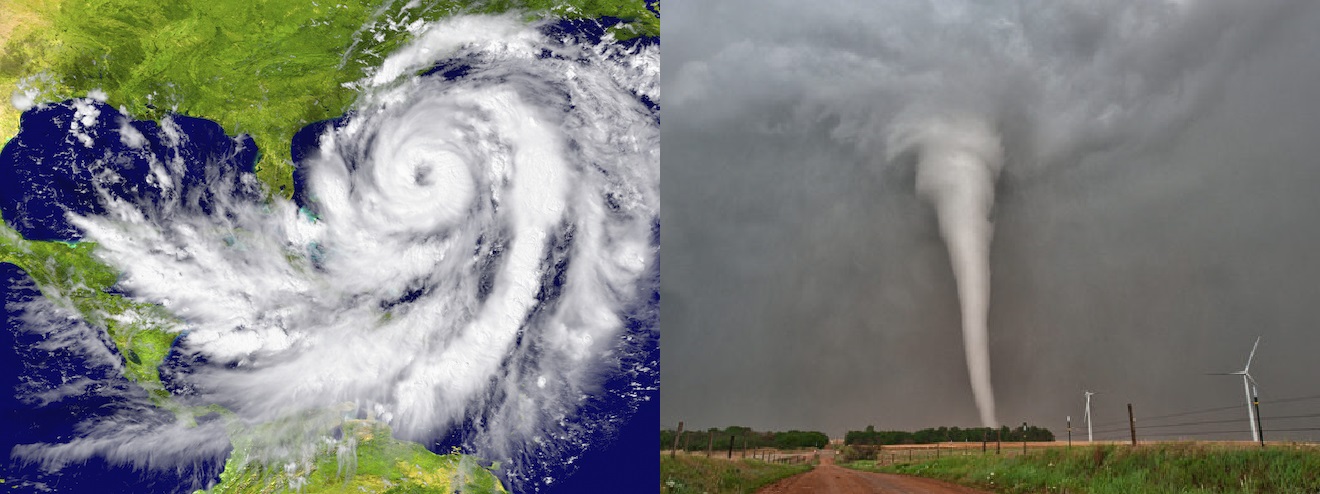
x=830 y=479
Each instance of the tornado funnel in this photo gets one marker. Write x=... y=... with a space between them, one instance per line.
x=958 y=161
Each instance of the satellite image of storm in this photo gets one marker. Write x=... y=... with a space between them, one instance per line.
x=391 y=246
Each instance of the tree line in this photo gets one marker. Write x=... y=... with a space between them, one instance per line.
x=699 y=440
x=947 y=434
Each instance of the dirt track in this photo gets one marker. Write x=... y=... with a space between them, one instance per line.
x=830 y=479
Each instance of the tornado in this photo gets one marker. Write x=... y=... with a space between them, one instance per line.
x=958 y=161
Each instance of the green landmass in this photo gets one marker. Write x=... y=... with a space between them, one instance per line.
x=1183 y=468
x=68 y=275
x=687 y=474
x=265 y=68
x=376 y=463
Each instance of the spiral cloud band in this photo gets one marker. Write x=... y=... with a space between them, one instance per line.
x=468 y=248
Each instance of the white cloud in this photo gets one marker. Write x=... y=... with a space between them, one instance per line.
x=463 y=197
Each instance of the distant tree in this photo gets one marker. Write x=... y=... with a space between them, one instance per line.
x=698 y=440
x=870 y=436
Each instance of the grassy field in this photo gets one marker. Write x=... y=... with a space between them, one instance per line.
x=1110 y=469
x=693 y=474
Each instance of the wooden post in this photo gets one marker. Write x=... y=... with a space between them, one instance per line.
x=1024 y=438
x=999 y=439
x=1070 y=433
x=711 y=445
x=678 y=435
x=985 y=438
x=1132 y=425
x=744 y=447
x=730 y=446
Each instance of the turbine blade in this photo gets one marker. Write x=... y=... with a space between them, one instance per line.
x=1253 y=355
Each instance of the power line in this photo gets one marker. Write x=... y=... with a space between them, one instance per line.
x=1228 y=421
x=1207 y=422
x=1209 y=410
x=1236 y=431
x=1290 y=400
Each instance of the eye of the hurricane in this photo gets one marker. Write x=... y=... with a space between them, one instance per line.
x=422 y=174
x=424 y=184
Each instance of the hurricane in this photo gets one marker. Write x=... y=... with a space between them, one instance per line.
x=471 y=257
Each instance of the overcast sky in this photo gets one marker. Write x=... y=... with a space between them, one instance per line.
x=1159 y=208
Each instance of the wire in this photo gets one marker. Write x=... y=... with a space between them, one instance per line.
x=1208 y=410
x=1207 y=422
x=1238 y=431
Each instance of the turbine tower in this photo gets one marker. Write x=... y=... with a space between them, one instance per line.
x=1089 y=437
x=1249 y=388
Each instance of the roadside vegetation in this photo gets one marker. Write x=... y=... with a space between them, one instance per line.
x=686 y=474
x=1191 y=468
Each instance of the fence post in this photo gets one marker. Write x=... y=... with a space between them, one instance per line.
x=730 y=446
x=711 y=445
x=678 y=435
x=1132 y=425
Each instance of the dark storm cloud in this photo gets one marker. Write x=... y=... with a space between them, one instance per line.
x=1155 y=213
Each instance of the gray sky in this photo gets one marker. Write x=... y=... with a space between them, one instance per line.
x=1156 y=212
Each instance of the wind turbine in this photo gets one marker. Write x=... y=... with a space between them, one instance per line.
x=1089 y=437
x=1249 y=388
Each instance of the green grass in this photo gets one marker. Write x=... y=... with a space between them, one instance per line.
x=380 y=464
x=1183 y=468
x=265 y=68
x=699 y=475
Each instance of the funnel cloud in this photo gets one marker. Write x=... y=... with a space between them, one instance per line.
x=958 y=160
x=841 y=181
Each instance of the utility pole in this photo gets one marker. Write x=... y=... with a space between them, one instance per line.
x=678 y=435
x=1132 y=425
x=1070 y=433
